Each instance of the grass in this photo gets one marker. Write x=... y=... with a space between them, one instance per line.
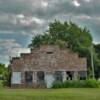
x=1 y=85
x=50 y=94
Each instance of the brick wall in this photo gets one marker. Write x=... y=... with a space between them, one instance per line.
x=49 y=58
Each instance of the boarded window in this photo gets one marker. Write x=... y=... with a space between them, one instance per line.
x=58 y=76
x=82 y=75
x=29 y=77
x=16 y=78
x=40 y=76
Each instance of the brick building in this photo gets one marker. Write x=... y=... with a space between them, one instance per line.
x=45 y=65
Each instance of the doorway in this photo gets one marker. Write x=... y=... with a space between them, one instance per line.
x=29 y=77
x=49 y=78
x=70 y=75
x=40 y=78
x=58 y=76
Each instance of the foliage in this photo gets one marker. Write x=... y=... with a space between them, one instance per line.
x=97 y=60
x=97 y=49
x=92 y=83
x=77 y=84
x=3 y=69
x=5 y=73
x=1 y=85
x=66 y=35
x=69 y=35
x=7 y=77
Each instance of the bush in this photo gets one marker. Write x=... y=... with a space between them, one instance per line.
x=92 y=83
x=7 y=78
x=77 y=84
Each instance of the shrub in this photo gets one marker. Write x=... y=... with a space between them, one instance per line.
x=77 y=84
x=99 y=83
x=7 y=78
x=57 y=85
x=92 y=83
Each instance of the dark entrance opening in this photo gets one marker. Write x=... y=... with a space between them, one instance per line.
x=29 y=77
x=69 y=75
x=58 y=76
x=40 y=78
x=82 y=75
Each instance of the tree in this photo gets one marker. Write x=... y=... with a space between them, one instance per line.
x=5 y=74
x=97 y=60
x=71 y=33
x=2 y=70
x=66 y=35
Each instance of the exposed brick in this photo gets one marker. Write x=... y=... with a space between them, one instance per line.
x=40 y=60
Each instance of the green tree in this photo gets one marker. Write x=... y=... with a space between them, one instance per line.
x=5 y=74
x=71 y=33
x=97 y=60
x=2 y=70
x=66 y=35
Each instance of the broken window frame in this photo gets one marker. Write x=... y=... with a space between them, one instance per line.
x=58 y=76
x=40 y=76
x=29 y=77
x=70 y=75
x=82 y=75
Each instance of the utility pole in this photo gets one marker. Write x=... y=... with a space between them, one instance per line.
x=92 y=62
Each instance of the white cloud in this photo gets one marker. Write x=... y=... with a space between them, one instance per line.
x=20 y=16
x=19 y=23
x=76 y=3
x=10 y=48
x=44 y=4
x=21 y=50
x=37 y=20
x=30 y=20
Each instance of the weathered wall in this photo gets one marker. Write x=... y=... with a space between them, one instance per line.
x=39 y=59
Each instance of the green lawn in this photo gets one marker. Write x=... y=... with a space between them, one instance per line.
x=50 y=94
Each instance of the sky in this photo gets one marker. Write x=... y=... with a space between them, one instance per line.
x=20 y=20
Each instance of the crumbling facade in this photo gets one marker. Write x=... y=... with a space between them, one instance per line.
x=45 y=65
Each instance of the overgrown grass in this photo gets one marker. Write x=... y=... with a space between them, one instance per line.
x=1 y=85
x=50 y=94
x=90 y=83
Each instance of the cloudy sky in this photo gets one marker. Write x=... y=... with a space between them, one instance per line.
x=21 y=19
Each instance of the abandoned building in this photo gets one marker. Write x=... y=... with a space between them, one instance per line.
x=46 y=65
